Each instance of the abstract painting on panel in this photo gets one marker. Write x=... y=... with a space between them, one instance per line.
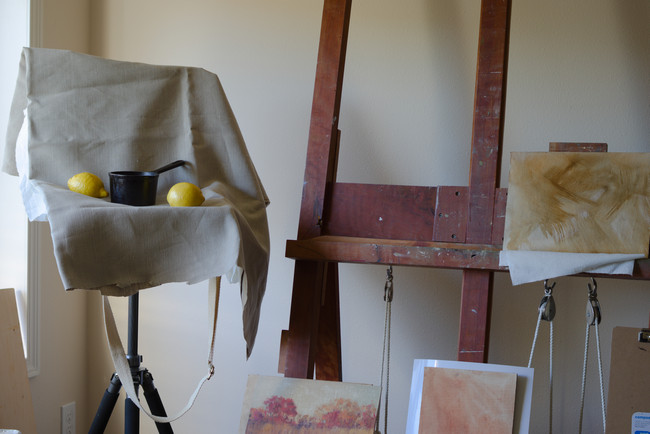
x=581 y=202
x=290 y=405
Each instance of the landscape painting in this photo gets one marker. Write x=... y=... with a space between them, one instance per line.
x=278 y=405
x=578 y=202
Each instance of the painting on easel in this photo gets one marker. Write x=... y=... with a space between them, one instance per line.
x=297 y=406
x=578 y=202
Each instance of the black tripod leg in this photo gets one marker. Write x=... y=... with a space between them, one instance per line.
x=131 y=417
x=106 y=406
x=154 y=402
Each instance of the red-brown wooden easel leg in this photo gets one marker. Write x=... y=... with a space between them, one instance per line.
x=476 y=305
x=487 y=137
x=313 y=341
x=328 y=354
x=299 y=342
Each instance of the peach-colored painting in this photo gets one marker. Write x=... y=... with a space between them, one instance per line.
x=464 y=401
x=581 y=202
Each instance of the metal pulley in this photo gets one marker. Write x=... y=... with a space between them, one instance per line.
x=388 y=287
x=547 y=305
x=593 y=306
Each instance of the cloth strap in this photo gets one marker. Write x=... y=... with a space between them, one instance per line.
x=122 y=365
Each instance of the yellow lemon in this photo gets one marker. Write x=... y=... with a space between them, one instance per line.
x=88 y=184
x=185 y=194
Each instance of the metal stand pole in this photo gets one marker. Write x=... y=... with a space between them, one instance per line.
x=131 y=412
x=140 y=376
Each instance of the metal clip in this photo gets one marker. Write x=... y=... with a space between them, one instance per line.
x=388 y=288
x=547 y=305
x=593 y=306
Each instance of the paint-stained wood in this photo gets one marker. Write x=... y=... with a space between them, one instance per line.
x=489 y=107
x=476 y=307
x=451 y=214
x=381 y=211
x=396 y=252
x=499 y=219
x=487 y=136
x=416 y=254
x=577 y=147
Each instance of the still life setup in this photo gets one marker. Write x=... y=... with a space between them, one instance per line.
x=144 y=178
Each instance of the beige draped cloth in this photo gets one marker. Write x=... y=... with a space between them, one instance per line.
x=78 y=113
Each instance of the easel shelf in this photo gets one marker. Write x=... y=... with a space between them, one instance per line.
x=417 y=254
x=396 y=252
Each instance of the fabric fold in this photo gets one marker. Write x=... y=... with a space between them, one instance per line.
x=531 y=266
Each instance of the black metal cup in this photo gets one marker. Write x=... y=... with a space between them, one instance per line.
x=137 y=188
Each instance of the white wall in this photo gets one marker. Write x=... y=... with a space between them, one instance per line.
x=63 y=334
x=578 y=72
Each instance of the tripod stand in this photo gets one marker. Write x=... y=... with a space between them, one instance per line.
x=140 y=376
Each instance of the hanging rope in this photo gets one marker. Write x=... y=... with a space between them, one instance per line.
x=385 y=356
x=593 y=318
x=547 y=313
x=550 y=379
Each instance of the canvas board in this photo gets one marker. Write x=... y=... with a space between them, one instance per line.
x=458 y=400
x=580 y=202
x=522 y=400
x=291 y=405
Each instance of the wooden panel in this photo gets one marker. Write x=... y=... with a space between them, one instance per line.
x=451 y=214
x=16 y=409
x=320 y=168
x=577 y=147
x=396 y=252
x=400 y=212
x=381 y=211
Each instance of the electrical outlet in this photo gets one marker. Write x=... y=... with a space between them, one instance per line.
x=68 y=418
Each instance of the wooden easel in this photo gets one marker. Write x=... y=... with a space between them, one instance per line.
x=443 y=227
